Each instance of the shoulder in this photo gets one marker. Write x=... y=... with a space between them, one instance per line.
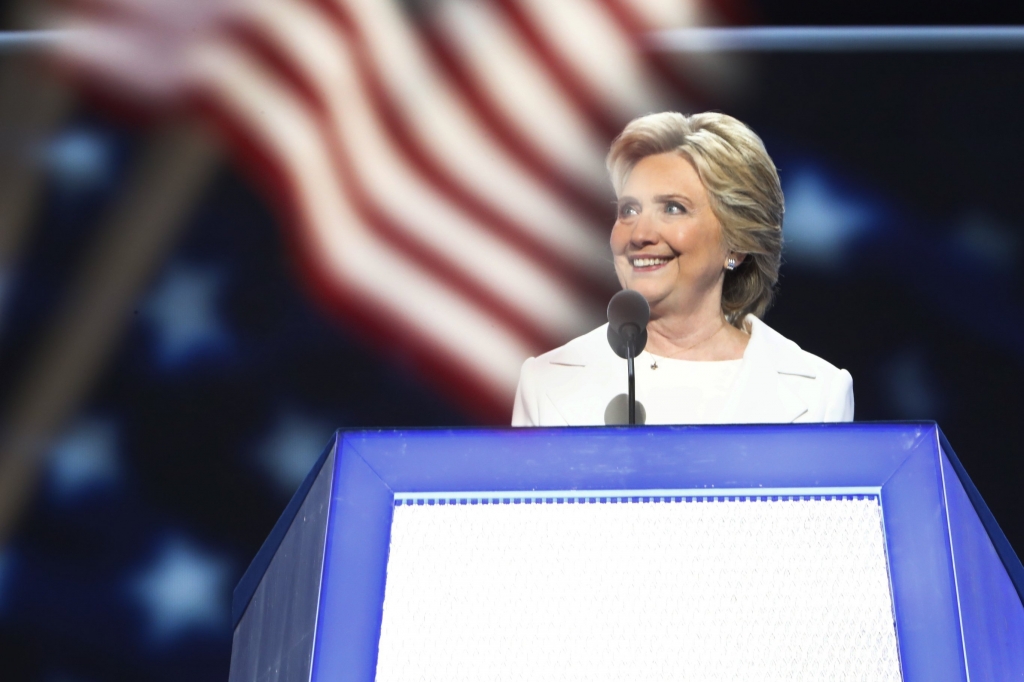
x=588 y=349
x=568 y=385
x=785 y=354
x=565 y=363
x=820 y=384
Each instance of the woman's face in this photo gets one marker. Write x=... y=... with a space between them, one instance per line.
x=666 y=242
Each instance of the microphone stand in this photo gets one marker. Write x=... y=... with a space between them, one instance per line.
x=628 y=315
x=632 y=381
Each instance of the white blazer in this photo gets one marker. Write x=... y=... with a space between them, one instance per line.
x=777 y=383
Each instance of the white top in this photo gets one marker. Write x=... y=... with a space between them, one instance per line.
x=683 y=391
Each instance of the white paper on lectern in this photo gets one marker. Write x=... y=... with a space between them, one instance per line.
x=674 y=590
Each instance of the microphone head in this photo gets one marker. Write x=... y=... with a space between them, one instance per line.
x=628 y=307
x=628 y=314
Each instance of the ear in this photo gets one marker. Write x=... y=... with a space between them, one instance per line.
x=734 y=259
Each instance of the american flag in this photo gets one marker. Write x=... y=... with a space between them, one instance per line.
x=440 y=161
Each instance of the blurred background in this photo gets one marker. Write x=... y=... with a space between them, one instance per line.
x=229 y=227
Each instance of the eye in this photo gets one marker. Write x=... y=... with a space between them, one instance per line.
x=674 y=208
x=628 y=210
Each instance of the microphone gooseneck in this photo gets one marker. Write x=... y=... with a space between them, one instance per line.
x=628 y=315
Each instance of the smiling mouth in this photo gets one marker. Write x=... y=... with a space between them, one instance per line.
x=648 y=262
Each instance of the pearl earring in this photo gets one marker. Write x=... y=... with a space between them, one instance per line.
x=730 y=264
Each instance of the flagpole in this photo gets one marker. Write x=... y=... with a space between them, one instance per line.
x=837 y=39
x=32 y=107
x=24 y=40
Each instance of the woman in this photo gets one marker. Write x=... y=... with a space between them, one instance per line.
x=699 y=234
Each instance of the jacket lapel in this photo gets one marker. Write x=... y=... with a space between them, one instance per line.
x=759 y=396
x=582 y=378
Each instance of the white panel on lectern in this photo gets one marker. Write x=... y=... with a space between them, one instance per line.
x=681 y=588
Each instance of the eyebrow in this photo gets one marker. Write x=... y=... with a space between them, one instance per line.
x=658 y=199
x=662 y=198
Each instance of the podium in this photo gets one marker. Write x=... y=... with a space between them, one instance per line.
x=821 y=551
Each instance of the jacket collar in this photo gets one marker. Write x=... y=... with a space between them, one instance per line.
x=757 y=396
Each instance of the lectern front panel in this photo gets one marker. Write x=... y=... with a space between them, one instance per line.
x=677 y=586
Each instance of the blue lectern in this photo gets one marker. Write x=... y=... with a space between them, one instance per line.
x=702 y=552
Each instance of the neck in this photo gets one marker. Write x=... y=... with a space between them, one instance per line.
x=701 y=333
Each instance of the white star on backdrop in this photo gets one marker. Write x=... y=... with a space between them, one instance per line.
x=79 y=159
x=184 y=589
x=84 y=459
x=291 y=448
x=821 y=222
x=183 y=313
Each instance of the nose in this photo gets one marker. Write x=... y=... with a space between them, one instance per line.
x=643 y=232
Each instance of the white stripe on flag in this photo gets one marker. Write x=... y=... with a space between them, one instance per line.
x=123 y=56
x=662 y=14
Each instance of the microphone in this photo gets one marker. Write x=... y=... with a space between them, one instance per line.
x=628 y=315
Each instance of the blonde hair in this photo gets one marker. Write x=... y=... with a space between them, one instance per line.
x=743 y=188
